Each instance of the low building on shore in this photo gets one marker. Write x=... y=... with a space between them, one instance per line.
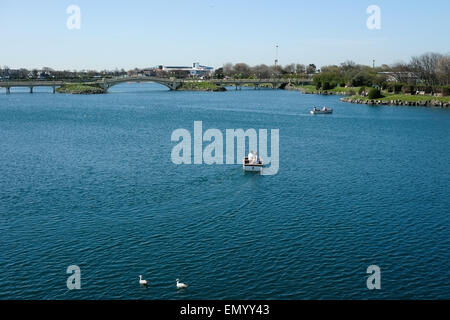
x=196 y=71
x=407 y=77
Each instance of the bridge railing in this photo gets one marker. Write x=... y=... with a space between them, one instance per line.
x=30 y=82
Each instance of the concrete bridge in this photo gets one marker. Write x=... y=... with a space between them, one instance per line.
x=30 y=84
x=171 y=83
x=104 y=83
x=257 y=83
x=175 y=84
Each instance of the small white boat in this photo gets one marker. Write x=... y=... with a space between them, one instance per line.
x=251 y=166
x=320 y=111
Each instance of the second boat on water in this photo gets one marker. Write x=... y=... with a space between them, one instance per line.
x=324 y=110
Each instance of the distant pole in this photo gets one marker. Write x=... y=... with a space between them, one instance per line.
x=276 y=58
x=276 y=55
x=374 y=63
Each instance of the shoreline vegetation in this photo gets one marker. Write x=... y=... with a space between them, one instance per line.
x=356 y=95
x=310 y=89
x=360 y=95
x=424 y=81
x=80 y=88
x=401 y=100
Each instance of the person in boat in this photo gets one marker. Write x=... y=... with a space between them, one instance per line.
x=255 y=158
x=315 y=108
x=324 y=109
x=250 y=156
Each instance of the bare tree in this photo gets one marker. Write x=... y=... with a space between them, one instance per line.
x=443 y=70
x=290 y=68
x=261 y=71
x=300 y=69
x=348 y=66
x=228 y=69
x=425 y=65
x=275 y=71
x=241 y=70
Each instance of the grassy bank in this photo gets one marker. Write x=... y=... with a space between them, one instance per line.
x=311 y=89
x=79 y=88
x=386 y=99
x=200 y=86
x=401 y=100
x=406 y=97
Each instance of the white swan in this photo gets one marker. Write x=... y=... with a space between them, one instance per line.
x=142 y=282
x=181 y=285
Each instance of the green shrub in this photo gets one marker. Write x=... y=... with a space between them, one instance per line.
x=318 y=85
x=361 y=90
x=375 y=93
x=362 y=79
x=326 y=86
x=445 y=91
x=398 y=88
x=408 y=89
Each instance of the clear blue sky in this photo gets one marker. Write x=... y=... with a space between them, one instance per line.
x=128 y=34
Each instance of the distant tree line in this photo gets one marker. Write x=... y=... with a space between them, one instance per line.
x=46 y=73
x=428 y=70
x=423 y=73
x=262 y=71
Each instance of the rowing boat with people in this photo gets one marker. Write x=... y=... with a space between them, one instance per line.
x=324 y=110
x=252 y=166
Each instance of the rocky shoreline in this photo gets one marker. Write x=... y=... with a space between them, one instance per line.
x=80 y=89
x=378 y=102
x=328 y=93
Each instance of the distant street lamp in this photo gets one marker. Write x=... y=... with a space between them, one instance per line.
x=276 y=60
x=276 y=55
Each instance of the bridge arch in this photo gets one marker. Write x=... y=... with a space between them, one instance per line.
x=171 y=84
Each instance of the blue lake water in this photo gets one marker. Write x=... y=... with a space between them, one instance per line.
x=89 y=181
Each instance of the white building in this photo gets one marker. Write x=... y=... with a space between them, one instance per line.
x=197 y=70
